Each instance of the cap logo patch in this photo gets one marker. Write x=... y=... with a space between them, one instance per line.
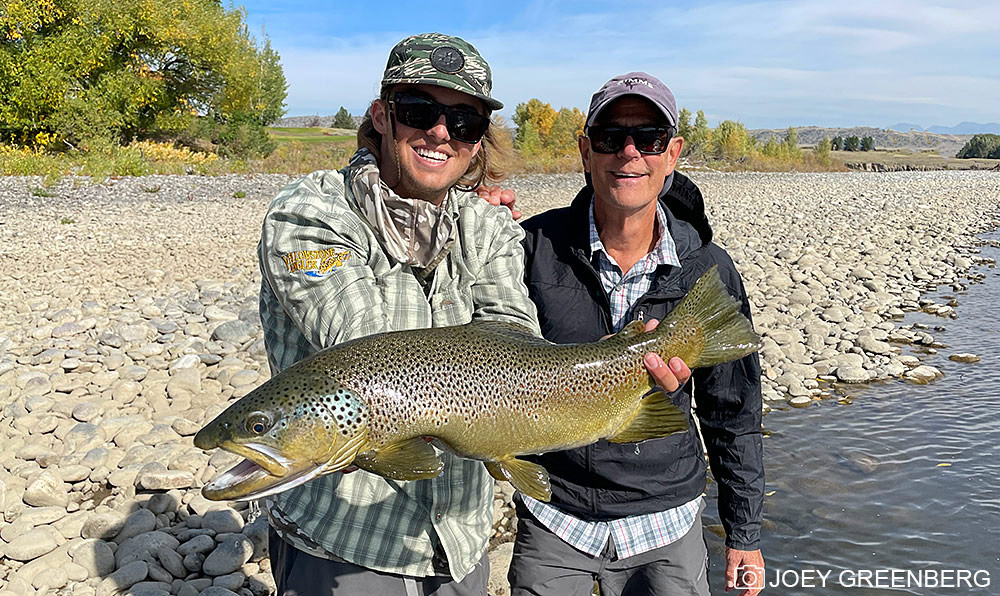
x=447 y=59
x=633 y=81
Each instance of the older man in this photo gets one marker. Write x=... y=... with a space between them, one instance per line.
x=630 y=246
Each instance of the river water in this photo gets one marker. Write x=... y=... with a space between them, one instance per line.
x=891 y=476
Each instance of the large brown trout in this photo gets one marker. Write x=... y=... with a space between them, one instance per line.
x=488 y=391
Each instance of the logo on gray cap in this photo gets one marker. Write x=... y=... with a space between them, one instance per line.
x=631 y=82
x=447 y=59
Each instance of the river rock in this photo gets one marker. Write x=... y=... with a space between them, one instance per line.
x=852 y=374
x=48 y=490
x=149 y=588
x=95 y=556
x=164 y=479
x=198 y=544
x=123 y=578
x=217 y=591
x=231 y=581
x=31 y=545
x=964 y=357
x=222 y=521
x=52 y=579
x=923 y=374
x=138 y=522
x=83 y=437
x=229 y=556
x=233 y=331
x=104 y=525
x=172 y=561
x=144 y=547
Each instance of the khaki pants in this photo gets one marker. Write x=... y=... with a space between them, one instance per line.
x=545 y=565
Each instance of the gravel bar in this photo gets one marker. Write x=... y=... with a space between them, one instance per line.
x=128 y=318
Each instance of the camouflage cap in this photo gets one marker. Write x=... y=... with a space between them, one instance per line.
x=442 y=60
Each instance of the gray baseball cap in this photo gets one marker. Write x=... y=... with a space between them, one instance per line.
x=634 y=83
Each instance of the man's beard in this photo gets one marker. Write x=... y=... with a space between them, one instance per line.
x=409 y=186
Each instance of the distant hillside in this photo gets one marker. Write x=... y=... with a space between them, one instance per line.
x=905 y=126
x=967 y=128
x=962 y=128
x=311 y=121
x=945 y=144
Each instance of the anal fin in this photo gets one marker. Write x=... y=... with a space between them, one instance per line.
x=412 y=459
x=656 y=416
x=531 y=479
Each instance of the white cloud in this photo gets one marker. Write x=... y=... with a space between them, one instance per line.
x=855 y=61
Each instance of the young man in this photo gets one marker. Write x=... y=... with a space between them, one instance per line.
x=631 y=245
x=395 y=241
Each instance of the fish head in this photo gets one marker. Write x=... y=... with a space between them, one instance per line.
x=297 y=426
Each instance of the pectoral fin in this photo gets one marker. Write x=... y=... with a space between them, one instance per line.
x=655 y=417
x=412 y=459
x=494 y=471
x=531 y=479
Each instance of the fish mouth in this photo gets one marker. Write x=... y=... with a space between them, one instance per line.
x=263 y=456
x=264 y=472
x=247 y=481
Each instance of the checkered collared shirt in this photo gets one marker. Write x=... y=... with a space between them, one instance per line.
x=638 y=533
x=327 y=280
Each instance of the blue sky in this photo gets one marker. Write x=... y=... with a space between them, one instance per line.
x=769 y=64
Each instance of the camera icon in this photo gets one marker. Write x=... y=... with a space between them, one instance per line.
x=750 y=576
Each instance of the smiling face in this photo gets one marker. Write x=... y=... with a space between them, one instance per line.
x=629 y=181
x=429 y=161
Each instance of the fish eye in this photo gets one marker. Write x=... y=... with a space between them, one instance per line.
x=258 y=423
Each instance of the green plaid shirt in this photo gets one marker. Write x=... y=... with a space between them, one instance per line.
x=326 y=280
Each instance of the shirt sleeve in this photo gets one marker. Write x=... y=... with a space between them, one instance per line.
x=729 y=407
x=500 y=292
x=314 y=256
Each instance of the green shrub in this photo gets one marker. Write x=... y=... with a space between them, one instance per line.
x=984 y=145
x=730 y=141
x=822 y=151
x=343 y=119
x=126 y=69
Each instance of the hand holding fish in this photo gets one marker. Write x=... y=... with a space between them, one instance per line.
x=668 y=375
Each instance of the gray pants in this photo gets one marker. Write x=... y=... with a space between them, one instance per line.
x=297 y=573
x=545 y=565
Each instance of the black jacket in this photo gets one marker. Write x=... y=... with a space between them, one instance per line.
x=607 y=480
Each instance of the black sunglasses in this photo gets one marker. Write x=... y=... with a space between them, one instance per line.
x=463 y=124
x=649 y=140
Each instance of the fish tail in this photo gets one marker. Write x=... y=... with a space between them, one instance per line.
x=707 y=327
